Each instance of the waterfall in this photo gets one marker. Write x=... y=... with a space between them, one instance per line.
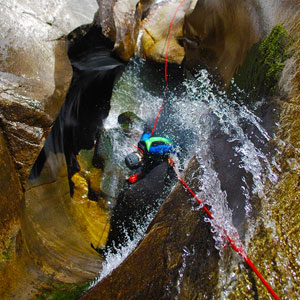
x=199 y=117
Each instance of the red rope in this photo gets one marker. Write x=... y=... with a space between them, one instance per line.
x=251 y=265
x=138 y=148
x=166 y=64
x=169 y=38
x=156 y=119
x=197 y=199
x=240 y=251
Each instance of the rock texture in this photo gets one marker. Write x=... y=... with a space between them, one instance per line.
x=11 y=194
x=155 y=27
x=35 y=75
x=35 y=71
x=275 y=246
x=218 y=34
x=177 y=258
x=120 y=22
x=142 y=27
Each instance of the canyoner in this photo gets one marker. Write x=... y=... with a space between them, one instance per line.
x=152 y=151
x=136 y=161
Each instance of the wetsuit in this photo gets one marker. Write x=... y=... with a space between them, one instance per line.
x=155 y=150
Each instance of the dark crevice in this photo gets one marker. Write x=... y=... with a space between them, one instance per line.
x=92 y=195
x=87 y=104
x=253 y=282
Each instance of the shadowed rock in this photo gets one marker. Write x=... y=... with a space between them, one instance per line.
x=35 y=72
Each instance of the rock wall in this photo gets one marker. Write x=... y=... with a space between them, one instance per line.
x=34 y=78
x=141 y=27
x=35 y=74
x=120 y=22
x=218 y=35
x=35 y=71
x=275 y=245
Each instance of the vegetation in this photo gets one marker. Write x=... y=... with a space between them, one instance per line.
x=61 y=291
x=5 y=255
x=259 y=74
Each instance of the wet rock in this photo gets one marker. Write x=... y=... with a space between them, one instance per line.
x=105 y=18
x=155 y=28
x=214 y=35
x=142 y=27
x=176 y=238
x=120 y=22
x=129 y=121
x=127 y=23
x=259 y=74
x=35 y=75
x=58 y=230
x=89 y=212
x=10 y=194
x=35 y=71
x=108 y=156
x=274 y=246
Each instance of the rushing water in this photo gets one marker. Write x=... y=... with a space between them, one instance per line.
x=193 y=113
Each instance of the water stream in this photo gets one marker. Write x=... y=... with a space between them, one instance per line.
x=227 y=137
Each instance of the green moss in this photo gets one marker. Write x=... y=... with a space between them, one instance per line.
x=5 y=255
x=129 y=120
x=259 y=74
x=61 y=291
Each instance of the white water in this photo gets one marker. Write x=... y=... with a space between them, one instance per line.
x=189 y=119
x=230 y=115
x=113 y=260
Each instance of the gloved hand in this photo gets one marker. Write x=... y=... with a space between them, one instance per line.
x=133 y=178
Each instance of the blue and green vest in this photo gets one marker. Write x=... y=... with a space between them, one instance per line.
x=157 y=145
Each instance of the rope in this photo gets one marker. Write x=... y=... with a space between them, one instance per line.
x=239 y=250
x=168 y=43
x=166 y=65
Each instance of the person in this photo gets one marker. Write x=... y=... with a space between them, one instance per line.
x=151 y=151
x=136 y=200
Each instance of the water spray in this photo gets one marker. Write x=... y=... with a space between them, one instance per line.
x=239 y=249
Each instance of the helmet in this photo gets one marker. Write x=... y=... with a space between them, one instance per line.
x=133 y=160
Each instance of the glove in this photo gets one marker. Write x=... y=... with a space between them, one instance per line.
x=133 y=178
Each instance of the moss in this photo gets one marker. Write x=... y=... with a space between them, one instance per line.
x=5 y=255
x=259 y=74
x=129 y=120
x=61 y=291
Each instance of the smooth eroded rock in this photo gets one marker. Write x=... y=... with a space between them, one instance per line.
x=155 y=29
x=218 y=34
x=35 y=70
